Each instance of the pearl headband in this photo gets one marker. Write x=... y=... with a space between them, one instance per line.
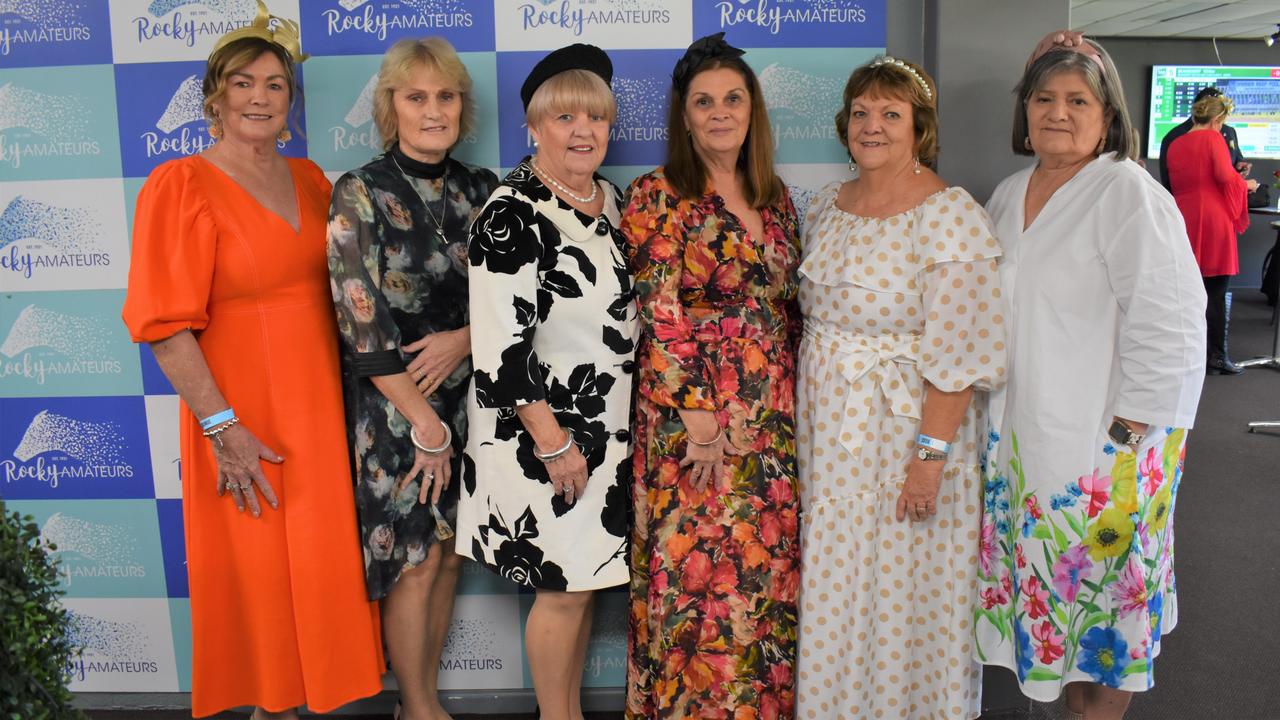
x=888 y=60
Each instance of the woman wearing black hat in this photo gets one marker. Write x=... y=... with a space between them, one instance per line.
x=553 y=326
x=715 y=554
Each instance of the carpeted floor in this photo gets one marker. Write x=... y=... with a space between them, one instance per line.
x=1221 y=662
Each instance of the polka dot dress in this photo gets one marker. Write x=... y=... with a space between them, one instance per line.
x=885 y=606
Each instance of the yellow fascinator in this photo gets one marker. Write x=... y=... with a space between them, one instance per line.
x=281 y=31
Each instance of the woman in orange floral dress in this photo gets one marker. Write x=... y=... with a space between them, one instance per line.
x=715 y=552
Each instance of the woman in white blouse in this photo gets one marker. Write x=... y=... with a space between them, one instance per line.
x=1106 y=331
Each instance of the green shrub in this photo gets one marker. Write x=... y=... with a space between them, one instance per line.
x=35 y=650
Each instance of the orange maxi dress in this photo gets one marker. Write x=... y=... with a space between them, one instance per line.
x=279 y=616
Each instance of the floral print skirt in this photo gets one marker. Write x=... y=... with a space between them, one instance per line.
x=714 y=577
x=1076 y=582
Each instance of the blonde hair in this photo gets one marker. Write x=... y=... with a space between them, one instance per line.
x=399 y=63
x=887 y=81
x=234 y=57
x=1210 y=108
x=574 y=90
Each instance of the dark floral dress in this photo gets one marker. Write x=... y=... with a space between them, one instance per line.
x=714 y=574
x=394 y=281
x=553 y=318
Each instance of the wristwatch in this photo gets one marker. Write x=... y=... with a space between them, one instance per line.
x=1121 y=434
x=925 y=453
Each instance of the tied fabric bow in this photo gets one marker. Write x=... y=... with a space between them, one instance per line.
x=702 y=49
x=869 y=364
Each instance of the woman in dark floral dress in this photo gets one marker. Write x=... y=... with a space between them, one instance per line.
x=398 y=264
x=715 y=565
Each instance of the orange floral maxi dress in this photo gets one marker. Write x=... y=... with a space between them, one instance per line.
x=714 y=574
x=279 y=616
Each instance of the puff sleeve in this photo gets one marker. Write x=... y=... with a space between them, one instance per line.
x=674 y=372
x=354 y=248
x=171 y=267
x=963 y=343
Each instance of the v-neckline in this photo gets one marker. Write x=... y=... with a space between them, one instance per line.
x=293 y=180
x=1023 y=226
x=749 y=238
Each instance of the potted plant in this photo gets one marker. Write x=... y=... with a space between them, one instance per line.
x=35 y=650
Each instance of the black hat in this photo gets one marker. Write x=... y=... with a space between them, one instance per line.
x=1207 y=91
x=578 y=56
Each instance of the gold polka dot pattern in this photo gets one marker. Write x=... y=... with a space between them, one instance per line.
x=890 y=304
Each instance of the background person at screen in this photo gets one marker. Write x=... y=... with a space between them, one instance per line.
x=1104 y=312
x=1228 y=133
x=553 y=327
x=228 y=284
x=397 y=257
x=1213 y=199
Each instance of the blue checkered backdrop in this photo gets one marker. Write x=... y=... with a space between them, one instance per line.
x=94 y=95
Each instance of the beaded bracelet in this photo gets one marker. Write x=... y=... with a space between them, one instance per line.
x=215 y=433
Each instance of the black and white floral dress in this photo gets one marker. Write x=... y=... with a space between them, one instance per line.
x=553 y=318
x=394 y=281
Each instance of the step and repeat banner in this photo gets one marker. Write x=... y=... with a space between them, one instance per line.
x=95 y=94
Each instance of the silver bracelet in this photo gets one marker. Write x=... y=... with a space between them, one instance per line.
x=555 y=454
x=689 y=436
x=448 y=440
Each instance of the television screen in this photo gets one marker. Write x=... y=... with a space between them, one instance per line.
x=1254 y=90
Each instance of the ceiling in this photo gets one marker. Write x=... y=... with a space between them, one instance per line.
x=1239 y=19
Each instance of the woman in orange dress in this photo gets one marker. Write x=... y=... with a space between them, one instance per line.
x=229 y=284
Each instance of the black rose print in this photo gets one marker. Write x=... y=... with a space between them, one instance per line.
x=502 y=237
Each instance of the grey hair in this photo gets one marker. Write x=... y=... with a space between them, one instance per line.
x=1122 y=138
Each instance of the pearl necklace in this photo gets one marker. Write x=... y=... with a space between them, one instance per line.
x=444 y=198
x=595 y=188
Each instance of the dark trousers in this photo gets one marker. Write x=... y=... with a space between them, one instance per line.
x=1215 y=314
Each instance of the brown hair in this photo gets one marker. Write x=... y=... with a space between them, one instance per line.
x=236 y=56
x=688 y=174
x=889 y=81
x=1210 y=108
x=1104 y=81
x=400 y=61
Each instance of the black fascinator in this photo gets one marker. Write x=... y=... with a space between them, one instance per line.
x=702 y=49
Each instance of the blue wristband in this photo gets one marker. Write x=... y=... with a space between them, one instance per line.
x=217 y=418
x=933 y=443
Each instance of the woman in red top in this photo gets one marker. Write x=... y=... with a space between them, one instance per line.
x=1211 y=195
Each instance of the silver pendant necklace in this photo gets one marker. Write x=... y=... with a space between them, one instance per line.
x=444 y=193
x=595 y=188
